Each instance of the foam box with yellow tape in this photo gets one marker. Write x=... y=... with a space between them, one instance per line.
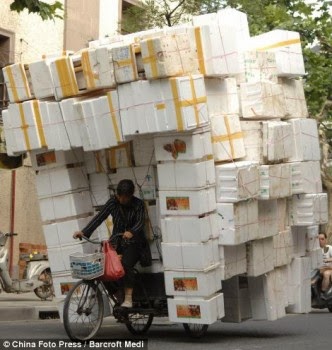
x=124 y=60
x=41 y=79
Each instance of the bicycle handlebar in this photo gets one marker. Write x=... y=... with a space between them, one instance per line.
x=9 y=234
x=98 y=242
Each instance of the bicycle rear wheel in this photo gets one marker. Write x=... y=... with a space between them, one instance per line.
x=83 y=310
x=138 y=323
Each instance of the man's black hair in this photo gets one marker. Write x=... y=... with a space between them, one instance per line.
x=323 y=233
x=125 y=188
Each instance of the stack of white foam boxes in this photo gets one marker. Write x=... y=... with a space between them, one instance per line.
x=211 y=125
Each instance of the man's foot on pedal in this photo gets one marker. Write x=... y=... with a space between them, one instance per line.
x=127 y=304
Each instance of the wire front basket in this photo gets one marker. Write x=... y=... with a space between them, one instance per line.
x=87 y=266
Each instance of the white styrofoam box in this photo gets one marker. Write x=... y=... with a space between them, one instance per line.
x=59 y=256
x=258 y=66
x=196 y=310
x=306 y=177
x=236 y=296
x=145 y=176
x=260 y=256
x=268 y=219
x=63 y=77
x=283 y=248
x=101 y=120
x=41 y=79
x=124 y=60
x=98 y=69
x=62 y=284
x=65 y=206
x=8 y=133
x=54 y=127
x=193 y=283
x=95 y=162
x=183 y=146
x=262 y=100
x=46 y=160
x=282 y=212
x=268 y=295
x=275 y=181
x=189 y=229
x=175 y=104
x=153 y=221
x=222 y=96
x=306 y=140
x=229 y=31
x=99 y=188
x=312 y=241
x=235 y=260
x=268 y=141
x=190 y=256
x=73 y=121
x=237 y=222
x=168 y=55
x=227 y=137
x=186 y=175
x=237 y=181
x=27 y=130
x=143 y=149
x=296 y=106
x=299 y=284
x=308 y=209
x=298 y=241
x=181 y=202
x=53 y=182
x=287 y=47
x=316 y=258
x=17 y=83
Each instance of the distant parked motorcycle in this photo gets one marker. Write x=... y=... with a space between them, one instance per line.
x=37 y=275
x=317 y=302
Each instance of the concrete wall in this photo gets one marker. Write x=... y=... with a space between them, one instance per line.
x=33 y=36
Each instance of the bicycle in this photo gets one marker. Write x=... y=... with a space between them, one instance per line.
x=87 y=301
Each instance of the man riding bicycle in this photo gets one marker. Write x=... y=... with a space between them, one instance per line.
x=128 y=214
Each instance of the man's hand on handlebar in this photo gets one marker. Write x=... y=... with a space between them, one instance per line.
x=78 y=234
x=128 y=235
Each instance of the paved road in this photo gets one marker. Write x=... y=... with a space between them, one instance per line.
x=294 y=332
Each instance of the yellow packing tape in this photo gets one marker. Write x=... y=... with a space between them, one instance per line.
x=12 y=86
x=25 y=80
x=24 y=127
x=87 y=70
x=66 y=76
x=200 y=54
x=280 y=44
x=177 y=103
x=195 y=101
x=39 y=123
x=113 y=116
x=160 y=106
x=151 y=59
x=129 y=61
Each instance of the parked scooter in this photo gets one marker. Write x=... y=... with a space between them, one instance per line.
x=37 y=276
x=317 y=301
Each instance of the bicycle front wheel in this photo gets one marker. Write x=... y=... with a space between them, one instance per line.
x=83 y=311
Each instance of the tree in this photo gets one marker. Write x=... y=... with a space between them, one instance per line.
x=44 y=10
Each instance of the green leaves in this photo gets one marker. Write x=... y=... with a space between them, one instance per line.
x=44 y=10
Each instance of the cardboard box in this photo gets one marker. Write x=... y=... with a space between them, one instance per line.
x=275 y=181
x=283 y=248
x=260 y=256
x=196 y=310
x=186 y=203
x=41 y=79
x=193 y=283
x=222 y=96
x=185 y=175
x=183 y=146
x=237 y=222
x=287 y=47
x=306 y=177
x=262 y=100
x=296 y=105
x=58 y=181
x=308 y=209
x=191 y=229
x=227 y=137
x=98 y=68
x=235 y=260
x=190 y=256
x=65 y=206
x=237 y=181
x=305 y=140
x=268 y=219
x=17 y=83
